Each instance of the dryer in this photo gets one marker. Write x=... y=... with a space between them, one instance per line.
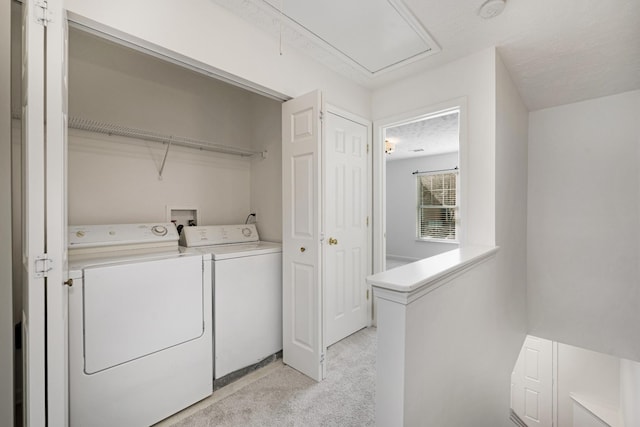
x=247 y=288
x=140 y=328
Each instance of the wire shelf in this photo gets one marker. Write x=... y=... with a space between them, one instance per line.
x=111 y=129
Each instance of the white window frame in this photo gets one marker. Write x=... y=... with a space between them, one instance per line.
x=379 y=171
x=419 y=206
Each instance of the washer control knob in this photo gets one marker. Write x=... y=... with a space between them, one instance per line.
x=246 y=232
x=159 y=230
x=79 y=233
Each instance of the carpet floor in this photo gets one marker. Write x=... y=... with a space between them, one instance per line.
x=285 y=397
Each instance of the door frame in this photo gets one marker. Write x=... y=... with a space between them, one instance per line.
x=125 y=39
x=109 y=33
x=330 y=108
x=47 y=399
x=379 y=178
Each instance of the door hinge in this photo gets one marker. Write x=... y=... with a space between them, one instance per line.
x=321 y=358
x=367 y=221
x=43 y=265
x=367 y=294
x=321 y=115
x=43 y=16
x=367 y=148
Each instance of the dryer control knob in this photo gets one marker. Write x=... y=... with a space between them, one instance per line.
x=159 y=230
x=79 y=233
x=246 y=232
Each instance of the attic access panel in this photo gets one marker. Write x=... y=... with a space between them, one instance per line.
x=376 y=35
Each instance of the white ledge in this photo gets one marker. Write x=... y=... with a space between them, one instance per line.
x=602 y=411
x=417 y=277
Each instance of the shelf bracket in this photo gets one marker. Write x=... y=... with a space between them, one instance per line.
x=164 y=160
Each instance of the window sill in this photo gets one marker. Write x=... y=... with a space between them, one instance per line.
x=449 y=241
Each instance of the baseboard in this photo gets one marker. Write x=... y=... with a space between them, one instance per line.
x=517 y=420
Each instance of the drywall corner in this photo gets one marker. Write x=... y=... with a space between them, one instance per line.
x=511 y=141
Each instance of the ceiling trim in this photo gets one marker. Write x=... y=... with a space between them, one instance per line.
x=417 y=26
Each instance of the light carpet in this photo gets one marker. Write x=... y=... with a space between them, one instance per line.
x=285 y=397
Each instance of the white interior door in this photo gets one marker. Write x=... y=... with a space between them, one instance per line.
x=303 y=347
x=56 y=218
x=346 y=225
x=33 y=212
x=532 y=383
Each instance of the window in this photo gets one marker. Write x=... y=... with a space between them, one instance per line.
x=437 y=206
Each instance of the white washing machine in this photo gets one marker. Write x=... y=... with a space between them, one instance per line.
x=247 y=288
x=140 y=329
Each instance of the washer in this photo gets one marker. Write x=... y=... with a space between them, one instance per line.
x=247 y=287
x=140 y=329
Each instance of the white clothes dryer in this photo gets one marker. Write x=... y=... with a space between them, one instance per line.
x=247 y=288
x=140 y=329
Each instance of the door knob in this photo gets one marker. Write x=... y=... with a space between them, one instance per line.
x=333 y=241
x=302 y=249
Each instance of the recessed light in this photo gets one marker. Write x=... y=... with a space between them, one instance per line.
x=491 y=8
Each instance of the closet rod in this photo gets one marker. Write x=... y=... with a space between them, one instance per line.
x=111 y=129
x=417 y=172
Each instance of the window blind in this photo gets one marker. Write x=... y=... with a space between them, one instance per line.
x=437 y=206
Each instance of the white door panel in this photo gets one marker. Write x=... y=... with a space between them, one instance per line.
x=345 y=248
x=33 y=221
x=531 y=383
x=56 y=204
x=303 y=346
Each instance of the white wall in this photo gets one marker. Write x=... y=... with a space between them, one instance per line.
x=511 y=136
x=457 y=368
x=592 y=375
x=266 y=174
x=206 y=32
x=114 y=179
x=584 y=224
x=402 y=208
x=465 y=358
x=118 y=85
x=6 y=309
x=630 y=392
x=472 y=77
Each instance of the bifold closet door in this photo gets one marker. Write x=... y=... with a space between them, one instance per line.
x=33 y=217
x=303 y=346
